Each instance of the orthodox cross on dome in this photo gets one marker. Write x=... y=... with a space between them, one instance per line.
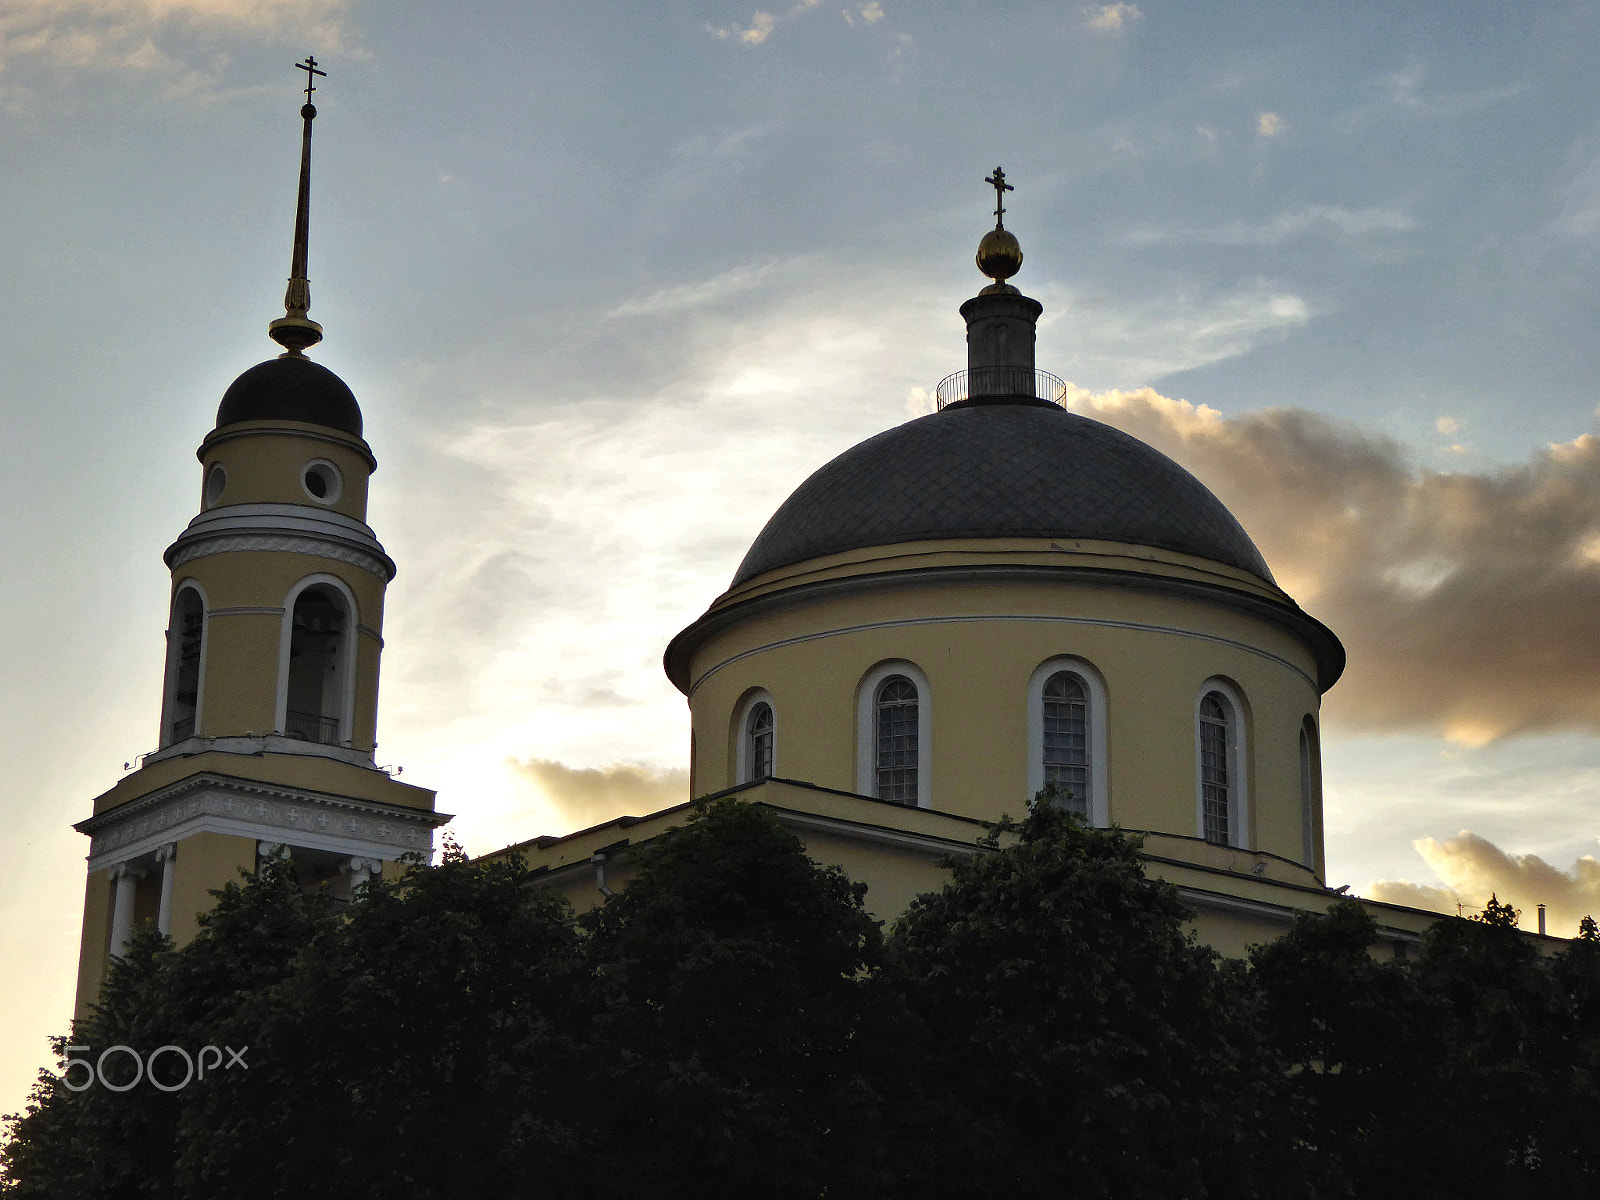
x=310 y=68
x=1001 y=187
x=295 y=331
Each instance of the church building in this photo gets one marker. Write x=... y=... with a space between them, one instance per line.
x=995 y=600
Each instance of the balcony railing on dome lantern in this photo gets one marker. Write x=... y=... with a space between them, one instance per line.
x=980 y=382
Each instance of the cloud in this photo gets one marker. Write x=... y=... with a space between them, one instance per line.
x=1112 y=18
x=1448 y=426
x=1469 y=603
x=1176 y=332
x=753 y=34
x=1405 y=92
x=1319 y=219
x=1474 y=869
x=1269 y=124
x=152 y=37
x=762 y=24
x=589 y=795
x=1579 y=218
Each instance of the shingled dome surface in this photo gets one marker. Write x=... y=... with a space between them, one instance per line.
x=1001 y=471
x=291 y=389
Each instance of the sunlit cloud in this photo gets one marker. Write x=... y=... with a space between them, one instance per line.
x=589 y=795
x=763 y=24
x=1269 y=124
x=1473 y=869
x=1113 y=18
x=1469 y=603
x=136 y=37
x=1318 y=219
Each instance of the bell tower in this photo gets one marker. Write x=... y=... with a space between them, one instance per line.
x=268 y=714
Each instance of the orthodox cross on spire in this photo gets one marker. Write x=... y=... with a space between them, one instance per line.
x=1001 y=187
x=295 y=331
x=310 y=68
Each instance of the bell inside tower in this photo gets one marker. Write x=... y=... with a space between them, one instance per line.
x=315 y=699
x=188 y=631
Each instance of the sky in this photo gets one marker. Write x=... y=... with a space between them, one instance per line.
x=611 y=279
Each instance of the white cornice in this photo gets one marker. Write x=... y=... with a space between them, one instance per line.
x=287 y=528
x=248 y=808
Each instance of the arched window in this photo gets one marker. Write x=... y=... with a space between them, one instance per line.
x=893 y=734
x=753 y=734
x=1067 y=738
x=758 y=731
x=1214 y=764
x=1310 y=792
x=319 y=633
x=1220 y=754
x=1066 y=741
x=185 y=645
x=896 y=738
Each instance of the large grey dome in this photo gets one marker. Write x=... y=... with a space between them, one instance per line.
x=1001 y=470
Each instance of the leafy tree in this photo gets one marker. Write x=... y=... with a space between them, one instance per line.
x=455 y=1033
x=733 y=1019
x=1086 y=1044
x=102 y=1143
x=1359 y=1038
x=1469 y=1071
x=734 y=1029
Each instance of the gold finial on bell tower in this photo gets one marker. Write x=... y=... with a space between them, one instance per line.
x=295 y=331
x=999 y=254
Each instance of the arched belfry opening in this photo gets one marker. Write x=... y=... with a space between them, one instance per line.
x=186 y=640
x=318 y=642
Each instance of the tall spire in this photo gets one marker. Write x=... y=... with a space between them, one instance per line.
x=295 y=331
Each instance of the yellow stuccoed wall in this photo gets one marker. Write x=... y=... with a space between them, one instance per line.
x=977 y=646
x=265 y=461
x=242 y=649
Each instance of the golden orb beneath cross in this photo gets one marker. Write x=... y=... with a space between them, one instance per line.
x=999 y=255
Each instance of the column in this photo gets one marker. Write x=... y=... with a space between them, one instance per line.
x=125 y=878
x=361 y=871
x=167 y=856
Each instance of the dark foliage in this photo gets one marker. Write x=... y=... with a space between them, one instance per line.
x=1085 y=1044
x=1468 y=1071
x=734 y=1022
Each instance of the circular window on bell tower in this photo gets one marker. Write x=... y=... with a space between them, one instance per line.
x=216 y=484
x=322 y=481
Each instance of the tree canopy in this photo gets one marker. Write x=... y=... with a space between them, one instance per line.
x=733 y=1018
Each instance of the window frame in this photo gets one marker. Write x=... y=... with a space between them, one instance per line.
x=742 y=765
x=1099 y=798
x=867 y=730
x=169 y=687
x=1238 y=761
x=1310 y=791
x=347 y=659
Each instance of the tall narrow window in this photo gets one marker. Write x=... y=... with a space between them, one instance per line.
x=895 y=721
x=315 y=697
x=1310 y=792
x=1215 y=773
x=758 y=734
x=1066 y=741
x=188 y=637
